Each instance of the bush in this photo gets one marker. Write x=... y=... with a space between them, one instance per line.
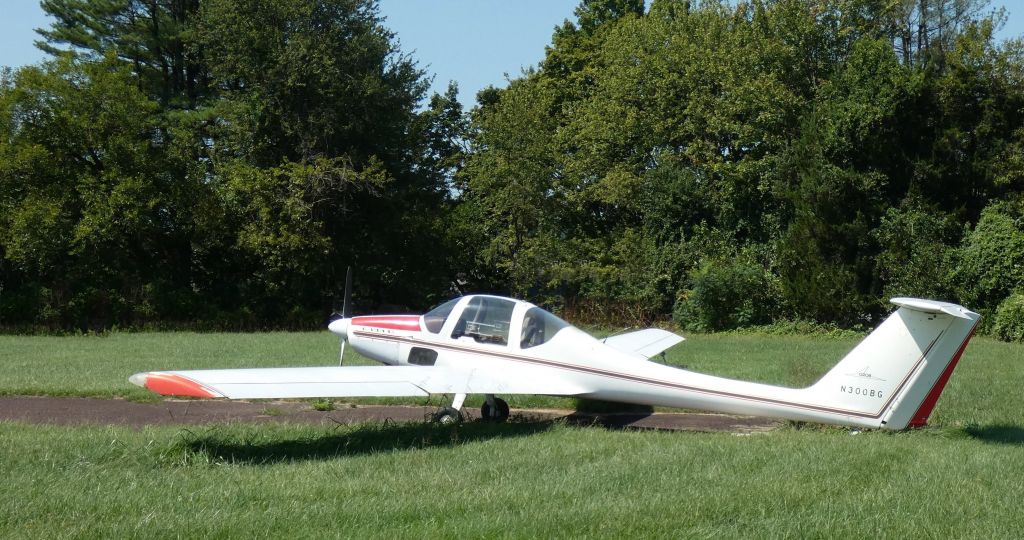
x=727 y=294
x=990 y=264
x=1009 y=323
x=323 y=405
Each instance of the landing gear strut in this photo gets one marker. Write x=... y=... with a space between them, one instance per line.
x=494 y=409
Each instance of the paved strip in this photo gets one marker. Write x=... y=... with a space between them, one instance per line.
x=79 y=411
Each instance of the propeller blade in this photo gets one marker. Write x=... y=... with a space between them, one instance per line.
x=346 y=312
x=346 y=306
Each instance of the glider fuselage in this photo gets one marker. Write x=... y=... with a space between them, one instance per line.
x=490 y=345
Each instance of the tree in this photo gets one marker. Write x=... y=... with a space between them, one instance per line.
x=512 y=185
x=311 y=78
x=149 y=35
x=990 y=265
x=275 y=144
x=90 y=213
x=317 y=101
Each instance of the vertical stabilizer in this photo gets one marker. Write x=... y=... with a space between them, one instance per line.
x=896 y=374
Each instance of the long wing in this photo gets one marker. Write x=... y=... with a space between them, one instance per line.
x=645 y=343
x=353 y=381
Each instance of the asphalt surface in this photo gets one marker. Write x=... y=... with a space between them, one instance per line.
x=79 y=411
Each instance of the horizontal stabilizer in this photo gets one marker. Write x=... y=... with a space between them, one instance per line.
x=934 y=306
x=646 y=343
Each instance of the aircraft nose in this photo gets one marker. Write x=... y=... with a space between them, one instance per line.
x=339 y=327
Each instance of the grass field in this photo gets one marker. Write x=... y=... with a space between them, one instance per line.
x=962 y=477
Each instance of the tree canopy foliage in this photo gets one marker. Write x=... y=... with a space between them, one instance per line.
x=220 y=163
x=738 y=162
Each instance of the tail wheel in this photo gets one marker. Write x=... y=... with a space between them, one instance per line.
x=448 y=416
x=497 y=413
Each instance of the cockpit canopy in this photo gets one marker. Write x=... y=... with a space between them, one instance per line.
x=491 y=319
x=435 y=318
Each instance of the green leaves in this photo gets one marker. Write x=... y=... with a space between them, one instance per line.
x=317 y=78
x=735 y=161
x=178 y=161
x=811 y=136
x=148 y=36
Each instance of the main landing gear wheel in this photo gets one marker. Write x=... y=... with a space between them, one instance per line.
x=448 y=416
x=494 y=413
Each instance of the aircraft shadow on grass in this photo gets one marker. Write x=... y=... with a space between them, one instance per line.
x=362 y=440
x=392 y=437
x=999 y=433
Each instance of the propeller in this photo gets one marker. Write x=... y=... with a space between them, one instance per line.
x=346 y=308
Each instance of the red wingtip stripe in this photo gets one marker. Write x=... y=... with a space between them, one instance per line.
x=169 y=384
x=390 y=322
x=920 y=418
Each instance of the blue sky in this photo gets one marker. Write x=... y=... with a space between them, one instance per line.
x=473 y=42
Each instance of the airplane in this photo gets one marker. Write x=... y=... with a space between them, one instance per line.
x=492 y=345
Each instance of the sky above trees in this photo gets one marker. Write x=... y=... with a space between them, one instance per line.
x=472 y=42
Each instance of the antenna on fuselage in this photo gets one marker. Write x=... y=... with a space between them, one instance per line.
x=346 y=308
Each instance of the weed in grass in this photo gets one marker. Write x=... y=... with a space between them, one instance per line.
x=272 y=411
x=802 y=371
x=323 y=405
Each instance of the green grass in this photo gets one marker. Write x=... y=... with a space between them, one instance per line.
x=522 y=480
x=959 y=478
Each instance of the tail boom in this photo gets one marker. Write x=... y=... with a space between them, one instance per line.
x=891 y=380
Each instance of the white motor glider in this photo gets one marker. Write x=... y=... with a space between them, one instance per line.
x=491 y=345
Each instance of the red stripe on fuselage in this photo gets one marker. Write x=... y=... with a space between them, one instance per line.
x=390 y=322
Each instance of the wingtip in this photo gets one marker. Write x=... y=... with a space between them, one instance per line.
x=172 y=384
x=139 y=379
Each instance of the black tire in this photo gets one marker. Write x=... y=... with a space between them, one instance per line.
x=448 y=416
x=499 y=413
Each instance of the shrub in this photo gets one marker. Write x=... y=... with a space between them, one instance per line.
x=990 y=262
x=1009 y=323
x=323 y=405
x=727 y=294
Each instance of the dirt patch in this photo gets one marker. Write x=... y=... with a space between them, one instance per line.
x=76 y=411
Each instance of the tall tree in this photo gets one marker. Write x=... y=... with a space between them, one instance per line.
x=90 y=207
x=319 y=140
x=151 y=35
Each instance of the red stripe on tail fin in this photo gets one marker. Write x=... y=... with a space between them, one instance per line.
x=920 y=418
